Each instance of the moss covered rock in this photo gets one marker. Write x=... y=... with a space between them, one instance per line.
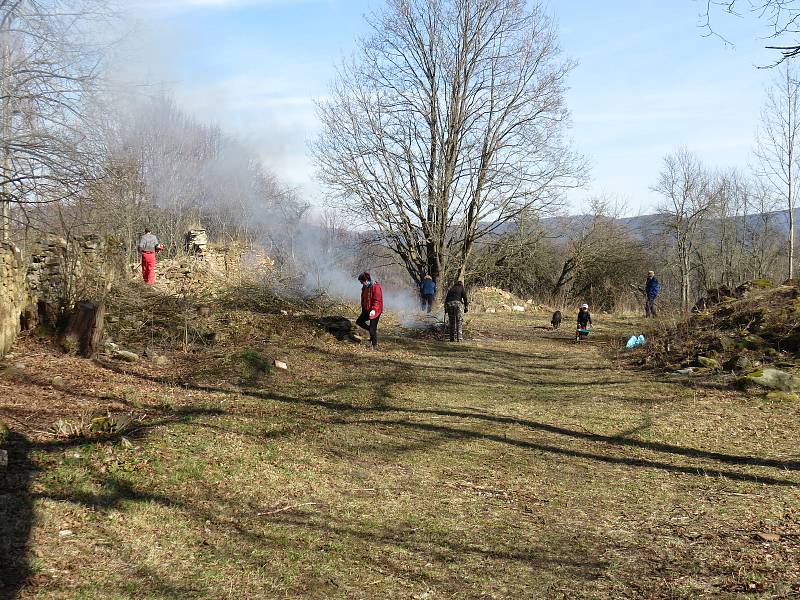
x=772 y=379
x=755 y=342
x=726 y=343
x=738 y=364
x=708 y=363
x=778 y=396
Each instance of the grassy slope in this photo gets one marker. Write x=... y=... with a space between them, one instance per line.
x=516 y=465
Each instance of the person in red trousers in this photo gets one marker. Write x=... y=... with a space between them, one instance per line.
x=371 y=307
x=148 y=247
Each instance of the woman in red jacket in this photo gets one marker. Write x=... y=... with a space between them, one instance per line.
x=371 y=307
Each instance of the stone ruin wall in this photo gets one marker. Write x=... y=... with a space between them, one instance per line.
x=33 y=290
x=14 y=295
x=230 y=260
x=51 y=261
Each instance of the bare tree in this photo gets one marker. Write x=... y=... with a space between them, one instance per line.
x=687 y=195
x=47 y=67
x=761 y=233
x=778 y=144
x=598 y=256
x=168 y=170
x=447 y=124
x=521 y=258
x=719 y=255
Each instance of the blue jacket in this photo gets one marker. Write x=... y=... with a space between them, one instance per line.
x=651 y=288
x=428 y=286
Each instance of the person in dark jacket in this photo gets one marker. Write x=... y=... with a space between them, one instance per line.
x=428 y=291
x=584 y=321
x=651 y=290
x=456 y=305
x=371 y=307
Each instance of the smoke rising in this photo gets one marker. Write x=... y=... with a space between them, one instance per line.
x=198 y=171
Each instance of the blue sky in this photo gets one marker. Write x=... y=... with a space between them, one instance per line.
x=647 y=80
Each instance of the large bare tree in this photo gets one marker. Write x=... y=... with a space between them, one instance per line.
x=778 y=144
x=448 y=123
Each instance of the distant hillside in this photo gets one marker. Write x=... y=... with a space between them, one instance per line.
x=643 y=226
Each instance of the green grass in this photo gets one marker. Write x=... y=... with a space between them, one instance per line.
x=518 y=464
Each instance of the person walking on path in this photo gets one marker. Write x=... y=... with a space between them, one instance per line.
x=584 y=322
x=428 y=291
x=148 y=247
x=651 y=290
x=371 y=307
x=456 y=305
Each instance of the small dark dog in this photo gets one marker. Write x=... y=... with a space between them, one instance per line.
x=556 y=320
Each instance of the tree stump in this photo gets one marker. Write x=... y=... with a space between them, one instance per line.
x=85 y=329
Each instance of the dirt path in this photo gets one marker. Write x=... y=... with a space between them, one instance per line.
x=520 y=466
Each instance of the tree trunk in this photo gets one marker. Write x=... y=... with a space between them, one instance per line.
x=685 y=284
x=85 y=329
x=791 y=240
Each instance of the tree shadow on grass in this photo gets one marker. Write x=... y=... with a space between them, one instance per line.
x=448 y=549
x=614 y=440
x=375 y=545
x=16 y=498
x=383 y=383
x=457 y=433
x=16 y=517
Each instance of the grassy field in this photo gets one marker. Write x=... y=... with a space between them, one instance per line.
x=516 y=465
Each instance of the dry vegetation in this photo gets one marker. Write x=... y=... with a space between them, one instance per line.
x=758 y=323
x=517 y=464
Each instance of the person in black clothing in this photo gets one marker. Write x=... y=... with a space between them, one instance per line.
x=456 y=305
x=584 y=320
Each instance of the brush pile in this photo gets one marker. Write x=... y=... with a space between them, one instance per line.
x=341 y=328
x=738 y=331
x=494 y=300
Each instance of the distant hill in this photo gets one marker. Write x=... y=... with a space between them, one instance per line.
x=643 y=226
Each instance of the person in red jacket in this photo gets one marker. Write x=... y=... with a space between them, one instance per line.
x=371 y=307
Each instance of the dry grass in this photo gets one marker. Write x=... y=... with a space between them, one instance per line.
x=518 y=464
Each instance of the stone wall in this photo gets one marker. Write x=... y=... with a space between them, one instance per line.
x=58 y=270
x=230 y=260
x=15 y=301
x=42 y=287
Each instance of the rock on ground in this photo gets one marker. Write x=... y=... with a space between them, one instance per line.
x=738 y=364
x=773 y=379
x=126 y=356
x=340 y=327
x=779 y=396
x=708 y=363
